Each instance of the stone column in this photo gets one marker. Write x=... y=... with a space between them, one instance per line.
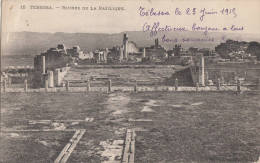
x=125 y=43
x=50 y=79
x=109 y=85
x=99 y=57
x=9 y=81
x=144 y=53
x=206 y=78
x=88 y=85
x=4 y=85
x=202 y=71
x=25 y=85
x=121 y=54
x=238 y=86
x=218 y=84
x=135 y=87
x=57 y=77
x=176 y=84
x=197 y=86
x=156 y=42
x=46 y=84
x=67 y=85
x=43 y=65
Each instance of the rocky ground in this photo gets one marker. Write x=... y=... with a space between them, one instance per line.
x=170 y=126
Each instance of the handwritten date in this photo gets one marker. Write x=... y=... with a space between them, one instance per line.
x=201 y=12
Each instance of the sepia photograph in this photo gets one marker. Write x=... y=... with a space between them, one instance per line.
x=130 y=81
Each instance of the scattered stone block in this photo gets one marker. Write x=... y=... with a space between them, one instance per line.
x=197 y=103
x=177 y=106
x=87 y=119
x=147 y=109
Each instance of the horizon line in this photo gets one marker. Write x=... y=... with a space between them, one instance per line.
x=242 y=33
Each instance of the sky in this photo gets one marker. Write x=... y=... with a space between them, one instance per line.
x=53 y=20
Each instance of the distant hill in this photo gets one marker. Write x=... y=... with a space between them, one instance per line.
x=33 y=43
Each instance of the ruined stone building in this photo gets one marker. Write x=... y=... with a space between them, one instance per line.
x=127 y=52
x=50 y=63
x=129 y=47
x=130 y=52
x=213 y=74
x=115 y=55
x=191 y=75
x=76 y=52
x=54 y=58
x=156 y=52
x=100 y=56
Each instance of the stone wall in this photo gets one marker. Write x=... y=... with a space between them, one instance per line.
x=59 y=75
x=128 y=89
x=185 y=77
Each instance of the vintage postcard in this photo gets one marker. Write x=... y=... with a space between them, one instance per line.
x=127 y=81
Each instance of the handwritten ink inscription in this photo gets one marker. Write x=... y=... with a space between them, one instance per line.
x=198 y=18
x=202 y=12
x=156 y=28
x=196 y=26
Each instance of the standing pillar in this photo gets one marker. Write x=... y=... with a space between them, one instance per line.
x=99 y=57
x=50 y=79
x=43 y=65
x=206 y=78
x=125 y=44
x=135 y=87
x=9 y=81
x=202 y=71
x=144 y=53
x=238 y=86
x=109 y=85
x=57 y=78
x=197 y=86
x=121 y=52
x=4 y=85
x=67 y=85
x=25 y=85
x=46 y=84
x=88 y=85
x=176 y=84
x=218 y=84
